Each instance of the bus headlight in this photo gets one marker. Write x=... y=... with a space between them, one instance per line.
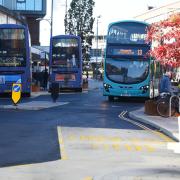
x=144 y=88
x=107 y=86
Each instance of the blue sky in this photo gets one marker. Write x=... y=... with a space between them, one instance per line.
x=110 y=10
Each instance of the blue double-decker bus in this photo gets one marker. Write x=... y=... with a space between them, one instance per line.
x=128 y=70
x=15 y=65
x=66 y=62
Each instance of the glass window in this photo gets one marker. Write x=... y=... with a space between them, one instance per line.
x=21 y=5
x=12 y=47
x=3 y=18
x=11 y=20
x=127 y=71
x=1 y=2
x=30 y=5
x=38 y=5
x=127 y=33
x=65 y=52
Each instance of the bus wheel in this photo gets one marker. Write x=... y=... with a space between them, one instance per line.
x=111 y=98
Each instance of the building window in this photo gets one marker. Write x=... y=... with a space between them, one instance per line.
x=21 y=4
x=38 y=5
x=3 y=18
x=31 y=5
x=1 y=2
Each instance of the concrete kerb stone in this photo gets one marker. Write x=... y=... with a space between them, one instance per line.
x=34 y=105
x=146 y=120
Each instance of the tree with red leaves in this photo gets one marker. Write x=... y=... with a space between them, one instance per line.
x=165 y=37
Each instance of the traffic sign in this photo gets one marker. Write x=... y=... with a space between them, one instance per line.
x=16 y=92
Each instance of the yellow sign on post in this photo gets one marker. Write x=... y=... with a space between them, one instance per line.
x=16 y=92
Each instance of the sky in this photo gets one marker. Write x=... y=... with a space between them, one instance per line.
x=109 y=10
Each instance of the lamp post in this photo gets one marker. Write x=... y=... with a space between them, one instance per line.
x=52 y=4
x=98 y=17
x=49 y=20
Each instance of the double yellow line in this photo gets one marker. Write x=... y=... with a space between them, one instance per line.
x=161 y=135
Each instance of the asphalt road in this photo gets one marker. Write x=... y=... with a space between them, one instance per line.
x=87 y=133
x=31 y=136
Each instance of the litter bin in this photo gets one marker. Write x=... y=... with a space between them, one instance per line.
x=54 y=91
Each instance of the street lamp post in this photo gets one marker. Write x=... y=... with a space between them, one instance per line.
x=98 y=17
x=49 y=20
x=52 y=3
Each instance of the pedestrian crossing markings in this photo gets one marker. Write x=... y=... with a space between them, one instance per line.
x=115 y=143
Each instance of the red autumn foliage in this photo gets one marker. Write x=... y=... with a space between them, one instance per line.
x=166 y=34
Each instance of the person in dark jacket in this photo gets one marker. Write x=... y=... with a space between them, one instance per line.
x=165 y=83
x=45 y=79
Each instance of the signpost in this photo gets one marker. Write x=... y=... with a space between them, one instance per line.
x=16 y=92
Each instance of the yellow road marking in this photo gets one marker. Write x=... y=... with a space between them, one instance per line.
x=128 y=147
x=72 y=137
x=116 y=147
x=95 y=146
x=88 y=178
x=106 y=146
x=135 y=139
x=84 y=138
x=166 y=138
x=61 y=145
x=150 y=148
x=115 y=139
x=138 y=148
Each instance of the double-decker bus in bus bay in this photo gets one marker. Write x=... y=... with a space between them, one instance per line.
x=14 y=58
x=66 y=62
x=128 y=70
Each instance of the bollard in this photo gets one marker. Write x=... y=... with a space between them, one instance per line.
x=170 y=101
x=54 y=91
x=16 y=93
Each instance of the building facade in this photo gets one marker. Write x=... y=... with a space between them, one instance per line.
x=31 y=10
x=8 y=17
x=160 y=13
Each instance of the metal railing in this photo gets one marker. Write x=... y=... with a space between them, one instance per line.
x=170 y=102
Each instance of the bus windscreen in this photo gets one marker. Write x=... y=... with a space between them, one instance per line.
x=65 y=53
x=127 y=33
x=12 y=47
x=127 y=71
